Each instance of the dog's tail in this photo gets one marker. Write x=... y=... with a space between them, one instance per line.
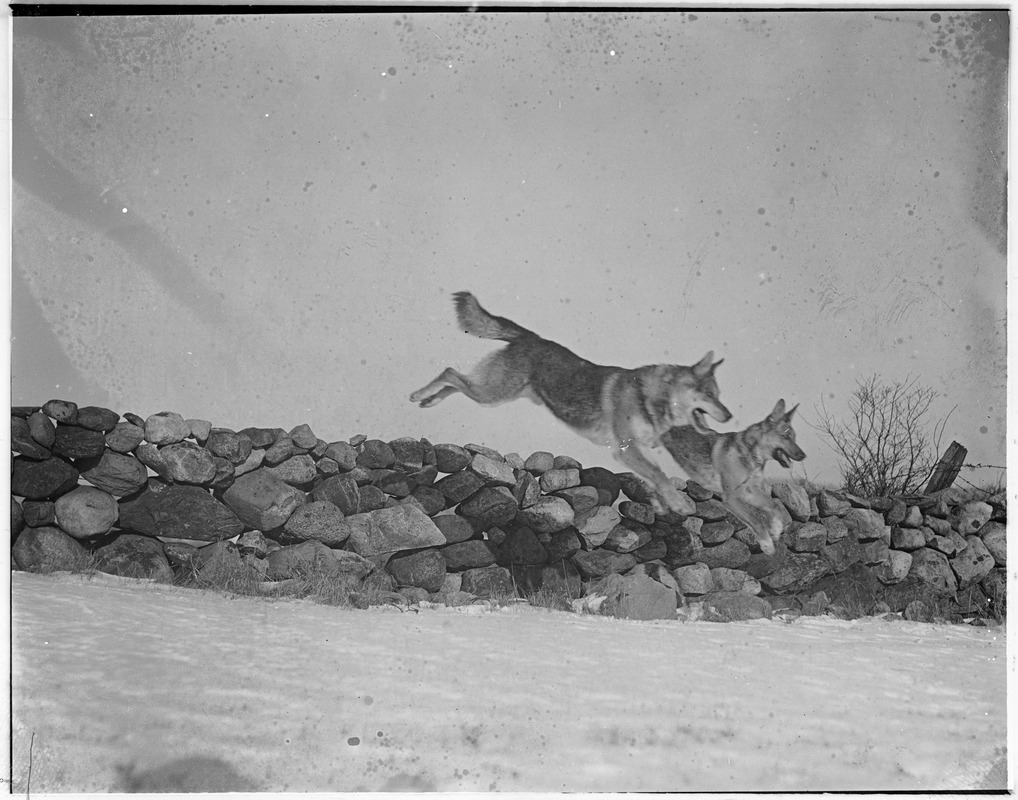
x=478 y=322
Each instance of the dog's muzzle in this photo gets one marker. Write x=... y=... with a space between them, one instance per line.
x=786 y=459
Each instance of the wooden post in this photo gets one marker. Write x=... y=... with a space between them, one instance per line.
x=947 y=468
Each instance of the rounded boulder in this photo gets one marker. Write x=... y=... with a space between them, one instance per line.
x=86 y=512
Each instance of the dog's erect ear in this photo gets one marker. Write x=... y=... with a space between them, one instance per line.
x=778 y=412
x=788 y=416
x=704 y=366
x=717 y=364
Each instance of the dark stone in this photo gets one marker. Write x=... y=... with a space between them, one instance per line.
x=492 y=505
x=698 y=493
x=873 y=553
x=343 y=454
x=86 y=512
x=430 y=498
x=714 y=533
x=635 y=597
x=459 y=486
x=372 y=499
x=635 y=488
x=425 y=476
x=135 y=557
x=181 y=555
x=907 y=539
x=895 y=515
x=831 y=504
x=605 y=481
x=392 y=482
x=134 y=419
x=560 y=578
x=187 y=462
x=855 y=590
x=488 y=582
x=598 y=563
x=41 y=480
x=626 y=537
x=18 y=517
x=562 y=544
x=527 y=489
x=234 y=447
x=298 y=470
x=539 y=462
x=638 y=512
x=733 y=606
x=760 y=565
x=683 y=547
x=451 y=458
x=471 y=554
x=731 y=553
x=566 y=462
x=375 y=454
x=899 y=595
x=117 y=474
x=581 y=498
x=282 y=450
x=805 y=537
x=302 y=436
x=179 y=512
x=881 y=504
x=23 y=442
x=392 y=530
x=340 y=490
x=70 y=441
x=841 y=555
x=318 y=520
x=47 y=550
x=547 y=515
x=96 y=418
x=261 y=500
x=454 y=527
x=125 y=437
x=224 y=475
x=711 y=511
x=796 y=572
x=61 y=410
x=654 y=550
x=423 y=568
x=521 y=546
x=408 y=452
x=42 y=429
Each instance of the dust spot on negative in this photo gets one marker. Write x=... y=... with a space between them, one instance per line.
x=983 y=429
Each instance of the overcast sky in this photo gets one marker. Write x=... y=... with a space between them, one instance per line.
x=259 y=220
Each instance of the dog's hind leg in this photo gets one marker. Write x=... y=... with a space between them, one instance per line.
x=495 y=380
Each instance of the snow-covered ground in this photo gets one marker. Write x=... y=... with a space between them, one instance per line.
x=300 y=697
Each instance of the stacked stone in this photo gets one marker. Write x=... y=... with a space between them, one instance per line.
x=447 y=522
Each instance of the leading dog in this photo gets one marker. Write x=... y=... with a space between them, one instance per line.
x=625 y=410
x=732 y=465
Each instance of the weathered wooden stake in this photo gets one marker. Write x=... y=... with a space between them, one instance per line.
x=947 y=468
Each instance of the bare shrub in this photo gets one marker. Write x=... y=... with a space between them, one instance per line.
x=888 y=446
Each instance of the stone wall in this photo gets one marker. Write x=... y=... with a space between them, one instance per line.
x=159 y=496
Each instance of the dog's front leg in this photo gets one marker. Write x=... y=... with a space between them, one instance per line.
x=753 y=506
x=630 y=454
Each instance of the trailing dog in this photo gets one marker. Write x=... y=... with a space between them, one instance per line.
x=732 y=464
x=626 y=410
